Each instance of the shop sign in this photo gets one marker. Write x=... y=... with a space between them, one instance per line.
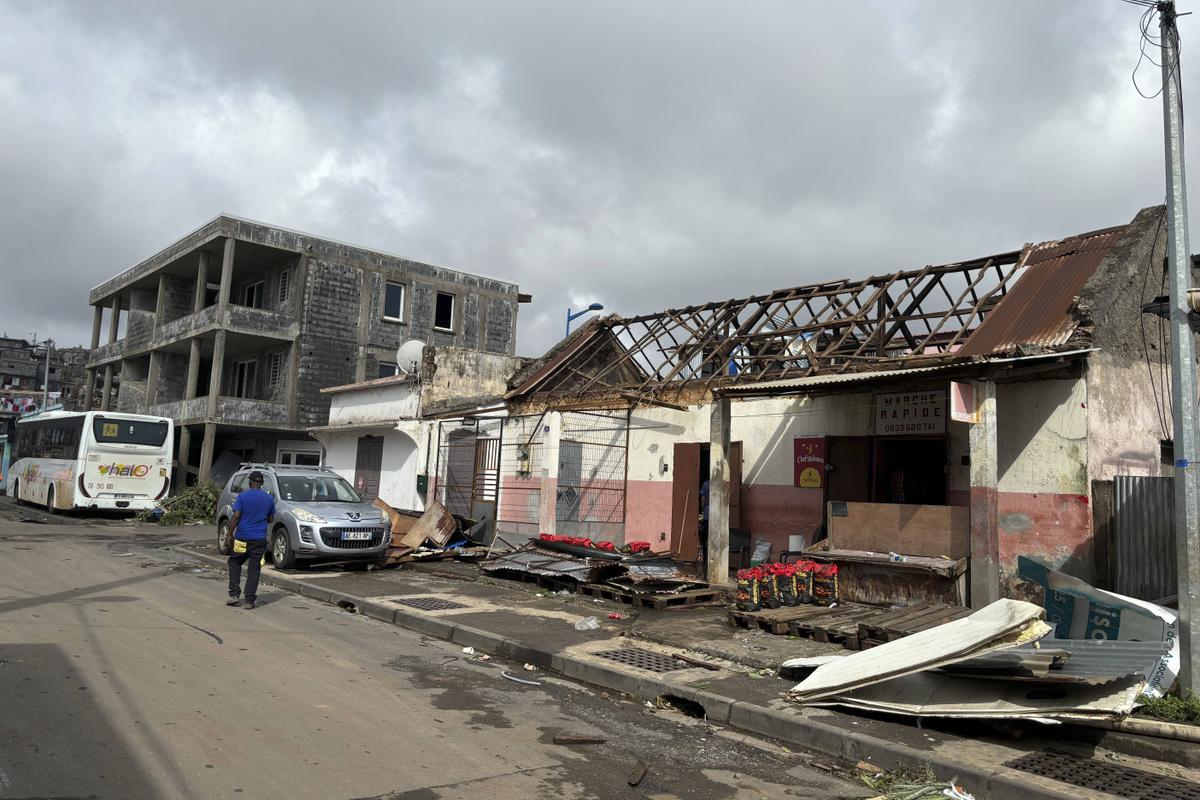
x=910 y=413
x=809 y=464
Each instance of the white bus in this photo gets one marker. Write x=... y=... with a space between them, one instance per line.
x=91 y=459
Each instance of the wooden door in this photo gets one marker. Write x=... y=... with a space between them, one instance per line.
x=367 y=466
x=849 y=474
x=685 y=501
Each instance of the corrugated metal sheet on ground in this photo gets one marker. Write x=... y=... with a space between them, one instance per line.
x=536 y=561
x=1037 y=310
x=1143 y=537
x=1086 y=658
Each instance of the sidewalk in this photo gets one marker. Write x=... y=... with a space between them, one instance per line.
x=510 y=620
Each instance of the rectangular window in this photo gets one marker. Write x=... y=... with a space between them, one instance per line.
x=285 y=285
x=387 y=369
x=275 y=369
x=125 y=431
x=393 y=301
x=244 y=377
x=252 y=295
x=443 y=312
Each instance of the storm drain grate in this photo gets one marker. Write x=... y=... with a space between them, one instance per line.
x=428 y=603
x=1134 y=784
x=643 y=659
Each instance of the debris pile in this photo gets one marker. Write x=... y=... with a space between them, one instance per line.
x=432 y=534
x=996 y=663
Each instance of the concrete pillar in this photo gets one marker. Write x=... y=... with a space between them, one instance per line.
x=985 y=529
x=548 y=509
x=115 y=320
x=185 y=449
x=193 y=373
x=226 y=279
x=161 y=303
x=201 y=283
x=214 y=378
x=108 y=380
x=90 y=384
x=206 y=452
x=152 y=378
x=717 y=557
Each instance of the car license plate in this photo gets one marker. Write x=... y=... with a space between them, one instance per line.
x=349 y=536
x=122 y=496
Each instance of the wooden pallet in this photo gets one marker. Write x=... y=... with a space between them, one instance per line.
x=657 y=602
x=839 y=625
x=775 y=620
x=902 y=622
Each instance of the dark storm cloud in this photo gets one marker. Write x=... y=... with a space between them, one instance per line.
x=640 y=154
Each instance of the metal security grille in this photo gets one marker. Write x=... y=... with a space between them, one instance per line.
x=520 y=454
x=643 y=659
x=591 y=469
x=428 y=603
x=1134 y=784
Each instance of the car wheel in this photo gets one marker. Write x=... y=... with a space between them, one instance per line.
x=50 y=500
x=224 y=538
x=282 y=554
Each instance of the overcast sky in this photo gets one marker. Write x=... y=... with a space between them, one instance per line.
x=639 y=154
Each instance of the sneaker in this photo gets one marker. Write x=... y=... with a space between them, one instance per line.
x=249 y=604
x=233 y=601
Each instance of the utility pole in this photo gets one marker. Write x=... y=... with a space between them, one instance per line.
x=46 y=384
x=1183 y=360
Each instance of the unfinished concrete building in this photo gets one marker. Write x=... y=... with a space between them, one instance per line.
x=233 y=331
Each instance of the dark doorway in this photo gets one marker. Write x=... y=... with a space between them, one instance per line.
x=367 y=466
x=848 y=474
x=910 y=471
x=691 y=470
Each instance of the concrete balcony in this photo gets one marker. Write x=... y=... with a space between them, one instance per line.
x=239 y=411
x=242 y=320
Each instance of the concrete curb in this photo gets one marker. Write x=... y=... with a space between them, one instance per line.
x=994 y=783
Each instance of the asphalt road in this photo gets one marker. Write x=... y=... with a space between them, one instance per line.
x=123 y=675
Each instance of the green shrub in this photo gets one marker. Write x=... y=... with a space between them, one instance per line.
x=1170 y=708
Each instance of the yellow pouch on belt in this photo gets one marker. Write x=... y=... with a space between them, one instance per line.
x=239 y=546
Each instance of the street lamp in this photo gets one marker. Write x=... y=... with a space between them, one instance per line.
x=577 y=314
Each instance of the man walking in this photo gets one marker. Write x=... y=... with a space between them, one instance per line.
x=253 y=511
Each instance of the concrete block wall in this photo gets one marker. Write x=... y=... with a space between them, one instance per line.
x=180 y=295
x=329 y=337
x=172 y=377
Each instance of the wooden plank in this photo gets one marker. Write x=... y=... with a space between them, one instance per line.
x=436 y=525
x=918 y=530
x=897 y=617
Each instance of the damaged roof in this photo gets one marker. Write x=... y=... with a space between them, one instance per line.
x=1017 y=301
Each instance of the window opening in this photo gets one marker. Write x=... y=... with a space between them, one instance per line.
x=393 y=301
x=443 y=312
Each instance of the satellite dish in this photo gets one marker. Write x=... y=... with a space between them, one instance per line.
x=408 y=356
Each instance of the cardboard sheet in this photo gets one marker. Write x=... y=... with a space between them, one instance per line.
x=1003 y=624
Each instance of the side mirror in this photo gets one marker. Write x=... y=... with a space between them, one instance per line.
x=235 y=490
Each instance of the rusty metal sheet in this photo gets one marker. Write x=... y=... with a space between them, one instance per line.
x=533 y=560
x=1036 y=311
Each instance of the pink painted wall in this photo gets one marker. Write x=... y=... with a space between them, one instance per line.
x=773 y=512
x=648 y=513
x=1055 y=528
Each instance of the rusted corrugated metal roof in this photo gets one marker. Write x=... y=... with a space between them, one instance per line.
x=1037 y=311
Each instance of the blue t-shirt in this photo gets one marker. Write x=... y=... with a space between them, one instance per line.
x=256 y=507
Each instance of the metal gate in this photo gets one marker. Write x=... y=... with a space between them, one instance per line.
x=592 y=458
x=468 y=466
x=1142 y=563
x=520 y=474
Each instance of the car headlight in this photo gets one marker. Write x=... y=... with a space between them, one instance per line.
x=306 y=516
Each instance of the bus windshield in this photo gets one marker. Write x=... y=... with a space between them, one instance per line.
x=129 y=431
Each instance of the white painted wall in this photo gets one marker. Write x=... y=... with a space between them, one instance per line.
x=390 y=402
x=1043 y=437
x=398 y=475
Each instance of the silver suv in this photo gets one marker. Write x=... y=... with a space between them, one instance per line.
x=317 y=515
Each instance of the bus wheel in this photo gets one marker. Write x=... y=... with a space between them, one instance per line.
x=50 y=500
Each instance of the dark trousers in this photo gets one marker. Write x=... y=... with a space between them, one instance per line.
x=255 y=549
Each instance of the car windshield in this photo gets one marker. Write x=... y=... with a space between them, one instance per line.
x=316 y=489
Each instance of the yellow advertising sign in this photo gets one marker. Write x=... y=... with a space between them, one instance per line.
x=109 y=430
